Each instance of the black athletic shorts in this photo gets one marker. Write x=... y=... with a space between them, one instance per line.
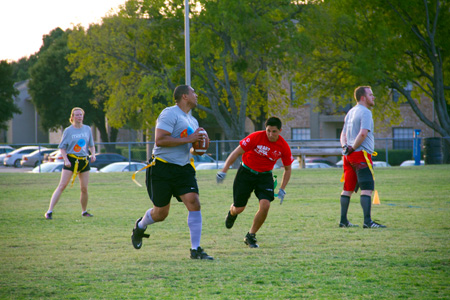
x=165 y=180
x=81 y=164
x=246 y=182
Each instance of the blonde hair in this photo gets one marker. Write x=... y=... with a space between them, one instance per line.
x=71 y=114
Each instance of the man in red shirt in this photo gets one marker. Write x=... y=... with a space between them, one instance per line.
x=260 y=151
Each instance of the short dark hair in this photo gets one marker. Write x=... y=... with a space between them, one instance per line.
x=180 y=91
x=273 y=121
x=360 y=91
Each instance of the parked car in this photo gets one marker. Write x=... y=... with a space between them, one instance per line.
x=4 y=149
x=35 y=158
x=319 y=160
x=13 y=158
x=53 y=156
x=380 y=164
x=409 y=163
x=206 y=162
x=376 y=164
x=315 y=165
x=54 y=167
x=122 y=167
x=104 y=159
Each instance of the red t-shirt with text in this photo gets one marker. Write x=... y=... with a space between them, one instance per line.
x=261 y=154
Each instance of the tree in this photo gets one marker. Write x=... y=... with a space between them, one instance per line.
x=54 y=93
x=241 y=51
x=22 y=67
x=239 y=48
x=7 y=93
x=388 y=44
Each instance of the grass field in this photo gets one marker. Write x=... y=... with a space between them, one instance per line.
x=302 y=255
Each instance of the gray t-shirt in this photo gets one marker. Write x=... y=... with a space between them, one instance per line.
x=77 y=140
x=177 y=122
x=359 y=117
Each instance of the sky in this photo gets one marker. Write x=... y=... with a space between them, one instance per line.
x=24 y=22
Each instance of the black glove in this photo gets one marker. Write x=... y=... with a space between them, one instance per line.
x=347 y=150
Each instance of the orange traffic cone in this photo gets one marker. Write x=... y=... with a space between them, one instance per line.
x=376 y=199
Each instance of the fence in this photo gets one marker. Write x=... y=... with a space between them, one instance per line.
x=219 y=150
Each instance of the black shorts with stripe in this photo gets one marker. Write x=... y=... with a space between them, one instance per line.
x=166 y=180
x=81 y=164
x=246 y=182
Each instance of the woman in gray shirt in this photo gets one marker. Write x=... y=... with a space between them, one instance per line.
x=74 y=145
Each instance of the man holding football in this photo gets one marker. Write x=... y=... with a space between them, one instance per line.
x=171 y=172
x=260 y=151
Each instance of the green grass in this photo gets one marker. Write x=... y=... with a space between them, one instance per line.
x=302 y=254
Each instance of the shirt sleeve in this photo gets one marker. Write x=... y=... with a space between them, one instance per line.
x=248 y=142
x=366 y=120
x=64 y=144
x=166 y=121
x=287 y=157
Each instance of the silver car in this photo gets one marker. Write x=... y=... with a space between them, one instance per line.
x=54 y=167
x=13 y=158
x=35 y=158
x=122 y=167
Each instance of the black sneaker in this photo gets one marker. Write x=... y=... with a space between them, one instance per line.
x=200 y=254
x=137 y=235
x=86 y=214
x=374 y=225
x=250 y=240
x=347 y=225
x=229 y=221
x=48 y=216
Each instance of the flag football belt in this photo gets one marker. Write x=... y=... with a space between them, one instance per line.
x=368 y=164
x=253 y=171
x=75 y=169
x=154 y=159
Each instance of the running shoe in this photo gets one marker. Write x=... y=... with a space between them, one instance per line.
x=347 y=225
x=229 y=221
x=199 y=253
x=373 y=225
x=137 y=235
x=250 y=240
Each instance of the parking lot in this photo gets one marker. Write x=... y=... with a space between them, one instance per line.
x=4 y=169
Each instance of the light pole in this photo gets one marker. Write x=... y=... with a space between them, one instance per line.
x=186 y=43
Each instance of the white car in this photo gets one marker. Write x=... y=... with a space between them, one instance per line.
x=122 y=167
x=296 y=165
x=13 y=158
x=54 y=167
x=4 y=150
x=376 y=164
x=206 y=162
x=381 y=164
x=409 y=163
x=210 y=166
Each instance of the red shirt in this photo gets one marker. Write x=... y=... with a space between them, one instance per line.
x=261 y=154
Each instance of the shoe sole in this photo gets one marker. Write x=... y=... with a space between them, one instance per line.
x=345 y=226
x=251 y=245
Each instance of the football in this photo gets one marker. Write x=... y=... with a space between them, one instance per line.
x=202 y=146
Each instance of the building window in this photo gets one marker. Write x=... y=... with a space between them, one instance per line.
x=301 y=133
x=403 y=138
x=292 y=95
